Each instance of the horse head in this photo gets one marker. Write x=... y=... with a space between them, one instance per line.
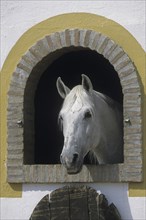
x=77 y=119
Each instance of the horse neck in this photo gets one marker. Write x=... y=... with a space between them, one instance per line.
x=108 y=149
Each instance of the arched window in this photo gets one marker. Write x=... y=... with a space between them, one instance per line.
x=33 y=106
x=48 y=138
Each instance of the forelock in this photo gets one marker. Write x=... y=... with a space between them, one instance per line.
x=78 y=92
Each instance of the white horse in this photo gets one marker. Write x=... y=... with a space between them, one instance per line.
x=91 y=122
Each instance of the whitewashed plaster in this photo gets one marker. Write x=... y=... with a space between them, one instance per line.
x=16 y=18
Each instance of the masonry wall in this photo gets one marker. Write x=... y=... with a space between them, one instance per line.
x=18 y=17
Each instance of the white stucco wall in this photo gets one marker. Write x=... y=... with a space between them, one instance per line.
x=16 y=18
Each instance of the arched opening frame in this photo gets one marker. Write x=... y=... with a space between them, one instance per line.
x=69 y=66
x=24 y=81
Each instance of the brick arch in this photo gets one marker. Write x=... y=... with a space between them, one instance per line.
x=26 y=76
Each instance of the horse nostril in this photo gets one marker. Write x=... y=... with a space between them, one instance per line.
x=75 y=157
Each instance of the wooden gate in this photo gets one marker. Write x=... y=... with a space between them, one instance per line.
x=75 y=203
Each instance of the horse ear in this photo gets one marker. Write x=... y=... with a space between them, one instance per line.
x=63 y=90
x=86 y=83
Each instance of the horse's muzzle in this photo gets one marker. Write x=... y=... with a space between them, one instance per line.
x=72 y=163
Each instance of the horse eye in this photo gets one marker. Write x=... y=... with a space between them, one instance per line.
x=60 y=117
x=87 y=114
x=60 y=121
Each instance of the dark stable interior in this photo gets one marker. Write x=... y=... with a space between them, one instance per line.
x=70 y=66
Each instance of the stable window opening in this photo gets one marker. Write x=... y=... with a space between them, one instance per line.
x=48 y=138
x=34 y=140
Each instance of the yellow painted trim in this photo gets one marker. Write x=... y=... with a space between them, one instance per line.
x=58 y=23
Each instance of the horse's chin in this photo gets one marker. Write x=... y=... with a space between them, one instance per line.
x=75 y=170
